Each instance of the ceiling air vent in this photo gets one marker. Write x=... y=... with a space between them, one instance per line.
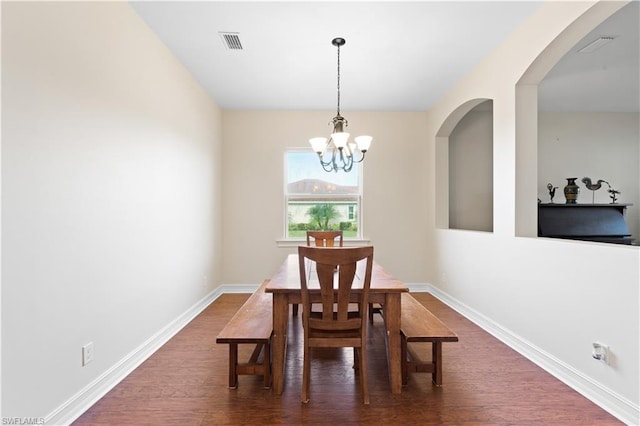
x=596 y=44
x=231 y=40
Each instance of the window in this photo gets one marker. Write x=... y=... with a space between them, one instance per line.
x=318 y=200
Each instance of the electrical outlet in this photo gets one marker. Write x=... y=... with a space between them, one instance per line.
x=87 y=353
x=600 y=352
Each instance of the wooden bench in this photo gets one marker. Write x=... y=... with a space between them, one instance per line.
x=252 y=324
x=418 y=324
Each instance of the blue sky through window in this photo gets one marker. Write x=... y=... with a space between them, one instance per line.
x=305 y=165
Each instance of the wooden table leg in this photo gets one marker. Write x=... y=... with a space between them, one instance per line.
x=436 y=357
x=392 y=323
x=279 y=345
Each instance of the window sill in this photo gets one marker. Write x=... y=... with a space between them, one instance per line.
x=351 y=242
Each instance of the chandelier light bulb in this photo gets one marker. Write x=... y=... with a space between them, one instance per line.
x=340 y=139
x=318 y=144
x=364 y=142
x=351 y=148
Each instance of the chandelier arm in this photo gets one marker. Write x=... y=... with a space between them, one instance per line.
x=346 y=161
x=361 y=158
x=335 y=161
x=324 y=163
x=324 y=166
x=348 y=164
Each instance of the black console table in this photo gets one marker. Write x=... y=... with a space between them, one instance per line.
x=589 y=222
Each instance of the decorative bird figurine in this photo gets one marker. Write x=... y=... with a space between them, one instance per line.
x=593 y=186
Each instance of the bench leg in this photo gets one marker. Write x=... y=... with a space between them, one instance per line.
x=404 y=354
x=436 y=354
x=263 y=368
x=233 y=365
x=253 y=359
x=252 y=366
x=266 y=364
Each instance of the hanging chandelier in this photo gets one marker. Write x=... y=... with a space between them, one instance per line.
x=337 y=153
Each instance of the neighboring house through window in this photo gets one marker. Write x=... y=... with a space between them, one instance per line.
x=319 y=200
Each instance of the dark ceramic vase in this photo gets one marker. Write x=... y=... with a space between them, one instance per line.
x=571 y=191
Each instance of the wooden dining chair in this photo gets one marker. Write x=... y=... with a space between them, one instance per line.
x=329 y=239
x=321 y=239
x=324 y=238
x=335 y=326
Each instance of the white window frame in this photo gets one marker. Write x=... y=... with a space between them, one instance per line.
x=289 y=242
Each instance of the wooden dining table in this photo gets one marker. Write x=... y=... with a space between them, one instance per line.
x=385 y=290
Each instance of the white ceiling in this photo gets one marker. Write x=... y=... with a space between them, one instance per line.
x=607 y=79
x=399 y=56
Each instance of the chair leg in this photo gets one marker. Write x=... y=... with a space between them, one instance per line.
x=356 y=361
x=295 y=309
x=306 y=373
x=363 y=375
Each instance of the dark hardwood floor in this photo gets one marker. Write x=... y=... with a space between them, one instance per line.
x=485 y=383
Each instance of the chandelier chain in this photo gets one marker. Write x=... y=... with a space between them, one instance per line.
x=338 y=79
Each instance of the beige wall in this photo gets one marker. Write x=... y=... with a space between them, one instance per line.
x=110 y=196
x=550 y=299
x=253 y=188
x=471 y=171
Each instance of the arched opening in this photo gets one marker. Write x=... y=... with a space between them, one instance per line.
x=464 y=178
x=553 y=121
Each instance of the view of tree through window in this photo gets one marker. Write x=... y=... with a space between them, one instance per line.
x=318 y=200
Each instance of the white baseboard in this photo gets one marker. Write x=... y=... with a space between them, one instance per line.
x=238 y=288
x=419 y=288
x=75 y=406
x=613 y=403
x=618 y=406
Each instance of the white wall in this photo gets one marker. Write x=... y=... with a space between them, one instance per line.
x=111 y=195
x=253 y=188
x=596 y=145
x=552 y=298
